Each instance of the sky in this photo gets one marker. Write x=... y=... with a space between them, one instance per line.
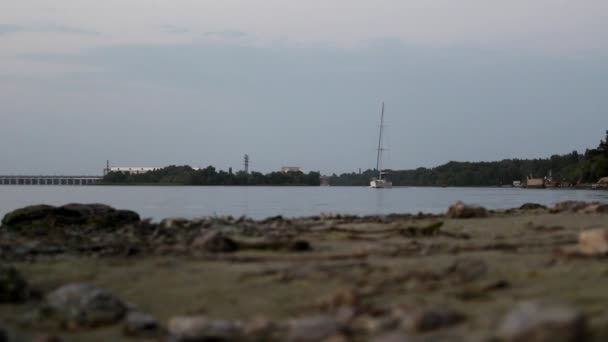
x=291 y=82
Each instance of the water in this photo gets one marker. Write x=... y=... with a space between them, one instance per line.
x=260 y=202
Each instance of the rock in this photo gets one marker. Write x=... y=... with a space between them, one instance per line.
x=13 y=288
x=596 y=208
x=82 y=304
x=416 y=320
x=313 y=329
x=466 y=269
x=461 y=210
x=262 y=329
x=200 y=328
x=40 y=218
x=393 y=337
x=138 y=324
x=573 y=206
x=535 y=322
x=299 y=246
x=593 y=242
x=532 y=206
x=214 y=242
x=174 y=222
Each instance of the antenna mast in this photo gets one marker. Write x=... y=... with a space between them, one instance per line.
x=246 y=162
x=379 y=157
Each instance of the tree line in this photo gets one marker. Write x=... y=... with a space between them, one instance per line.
x=571 y=168
x=186 y=175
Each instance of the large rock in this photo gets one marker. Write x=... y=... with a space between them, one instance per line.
x=201 y=328
x=593 y=242
x=40 y=217
x=536 y=322
x=462 y=210
x=84 y=305
x=13 y=287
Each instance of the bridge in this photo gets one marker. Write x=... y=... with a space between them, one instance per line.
x=50 y=180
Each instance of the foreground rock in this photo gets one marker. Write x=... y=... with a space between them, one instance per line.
x=41 y=218
x=462 y=210
x=535 y=322
x=84 y=305
x=594 y=242
x=13 y=287
x=201 y=328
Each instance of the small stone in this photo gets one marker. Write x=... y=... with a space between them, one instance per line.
x=313 y=329
x=200 y=328
x=593 y=242
x=82 y=304
x=461 y=210
x=139 y=324
x=535 y=322
x=415 y=320
x=13 y=287
x=214 y=242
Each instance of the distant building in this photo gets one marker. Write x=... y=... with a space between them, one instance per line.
x=286 y=169
x=535 y=183
x=324 y=180
x=132 y=169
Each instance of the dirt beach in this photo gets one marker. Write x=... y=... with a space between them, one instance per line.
x=93 y=273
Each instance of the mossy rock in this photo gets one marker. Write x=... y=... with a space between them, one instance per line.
x=39 y=218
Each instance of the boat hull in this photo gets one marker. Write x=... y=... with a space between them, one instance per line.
x=380 y=184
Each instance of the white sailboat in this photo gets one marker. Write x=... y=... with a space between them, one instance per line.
x=379 y=183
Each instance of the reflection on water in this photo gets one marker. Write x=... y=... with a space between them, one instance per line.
x=261 y=202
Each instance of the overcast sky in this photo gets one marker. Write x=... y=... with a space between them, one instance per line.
x=292 y=82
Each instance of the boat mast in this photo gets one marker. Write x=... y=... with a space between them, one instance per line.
x=379 y=157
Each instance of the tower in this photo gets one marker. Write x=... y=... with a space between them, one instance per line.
x=246 y=162
x=107 y=169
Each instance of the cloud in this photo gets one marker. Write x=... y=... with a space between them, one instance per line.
x=227 y=34
x=6 y=29
x=45 y=28
x=174 y=29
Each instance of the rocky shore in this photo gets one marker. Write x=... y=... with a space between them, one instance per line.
x=88 y=272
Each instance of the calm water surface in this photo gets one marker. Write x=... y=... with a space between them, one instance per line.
x=261 y=202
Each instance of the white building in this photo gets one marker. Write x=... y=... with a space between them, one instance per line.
x=132 y=169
